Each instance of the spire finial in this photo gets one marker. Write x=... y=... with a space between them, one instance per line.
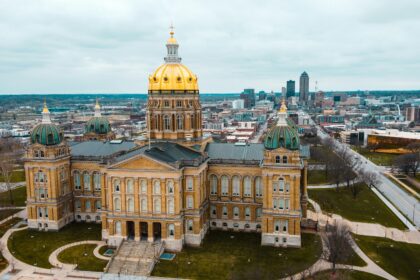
x=45 y=113
x=172 y=32
x=97 y=108
x=283 y=108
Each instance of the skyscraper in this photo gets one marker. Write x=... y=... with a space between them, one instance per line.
x=290 y=91
x=248 y=95
x=304 y=88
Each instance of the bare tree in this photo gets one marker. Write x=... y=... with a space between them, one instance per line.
x=337 y=243
x=408 y=162
x=370 y=178
x=9 y=155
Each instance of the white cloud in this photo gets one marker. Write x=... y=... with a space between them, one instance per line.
x=112 y=46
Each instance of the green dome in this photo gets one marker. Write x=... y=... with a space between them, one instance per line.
x=46 y=134
x=282 y=136
x=98 y=125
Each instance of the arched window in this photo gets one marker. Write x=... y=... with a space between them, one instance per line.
x=281 y=185
x=86 y=181
x=98 y=204
x=171 y=230
x=97 y=181
x=192 y=121
x=213 y=211
x=130 y=186
x=143 y=186
x=224 y=211
x=285 y=226
x=117 y=185
x=258 y=212
x=117 y=204
x=156 y=205
x=118 y=228
x=170 y=187
x=76 y=178
x=235 y=186
x=213 y=184
x=225 y=185
x=189 y=183
x=287 y=187
x=278 y=159
x=284 y=159
x=87 y=206
x=286 y=204
x=281 y=204
x=190 y=202
x=156 y=187
x=236 y=212
x=258 y=187
x=190 y=225
x=247 y=186
x=130 y=205
x=247 y=212
x=166 y=122
x=277 y=226
x=171 y=209
x=180 y=122
x=78 y=204
x=143 y=205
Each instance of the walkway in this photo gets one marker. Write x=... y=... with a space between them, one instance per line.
x=53 y=258
x=367 y=229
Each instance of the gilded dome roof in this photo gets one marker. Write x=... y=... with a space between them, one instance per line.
x=173 y=75
x=98 y=125
x=46 y=134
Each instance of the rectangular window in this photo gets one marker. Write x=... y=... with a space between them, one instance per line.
x=281 y=203
x=287 y=187
x=189 y=183
x=287 y=203
x=274 y=186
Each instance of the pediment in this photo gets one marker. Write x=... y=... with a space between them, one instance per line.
x=142 y=162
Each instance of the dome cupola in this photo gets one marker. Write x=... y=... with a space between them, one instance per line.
x=46 y=133
x=172 y=75
x=98 y=124
x=284 y=134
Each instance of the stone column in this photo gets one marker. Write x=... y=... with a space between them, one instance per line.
x=150 y=231
x=136 y=230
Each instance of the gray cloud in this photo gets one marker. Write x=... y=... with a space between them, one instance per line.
x=112 y=46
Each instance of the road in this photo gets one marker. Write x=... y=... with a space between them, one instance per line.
x=261 y=130
x=406 y=203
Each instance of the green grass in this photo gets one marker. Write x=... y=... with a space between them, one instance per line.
x=366 y=207
x=3 y=263
x=243 y=257
x=17 y=176
x=318 y=177
x=34 y=247
x=345 y=275
x=7 y=225
x=8 y=212
x=377 y=158
x=400 y=259
x=83 y=256
x=19 y=197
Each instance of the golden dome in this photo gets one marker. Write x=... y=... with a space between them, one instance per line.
x=173 y=76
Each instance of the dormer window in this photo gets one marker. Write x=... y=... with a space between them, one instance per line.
x=278 y=159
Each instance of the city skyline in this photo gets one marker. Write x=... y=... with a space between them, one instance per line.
x=112 y=47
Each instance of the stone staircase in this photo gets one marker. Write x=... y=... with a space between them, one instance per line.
x=135 y=258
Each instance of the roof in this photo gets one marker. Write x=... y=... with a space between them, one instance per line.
x=46 y=134
x=168 y=152
x=229 y=151
x=98 y=148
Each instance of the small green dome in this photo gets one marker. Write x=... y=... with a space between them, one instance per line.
x=98 y=125
x=282 y=136
x=46 y=134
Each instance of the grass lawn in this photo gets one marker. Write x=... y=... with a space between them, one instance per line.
x=83 y=256
x=318 y=177
x=377 y=158
x=366 y=207
x=34 y=247
x=345 y=275
x=7 y=225
x=3 y=263
x=8 y=212
x=243 y=257
x=402 y=260
x=17 y=176
x=19 y=197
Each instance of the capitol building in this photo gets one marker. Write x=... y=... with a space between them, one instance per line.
x=175 y=187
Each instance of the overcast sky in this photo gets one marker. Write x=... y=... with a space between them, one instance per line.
x=112 y=46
